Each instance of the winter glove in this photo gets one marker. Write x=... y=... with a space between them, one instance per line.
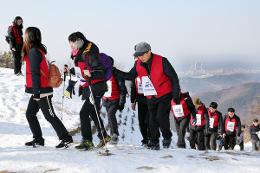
x=121 y=107
x=194 y=121
x=36 y=97
x=70 y=89
x=72 y=71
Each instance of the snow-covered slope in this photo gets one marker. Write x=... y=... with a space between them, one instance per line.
x=128 y=156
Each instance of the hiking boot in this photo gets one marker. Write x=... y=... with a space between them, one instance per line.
x=153 y=145
x=85 y=145
x=114 y=139
x=144 y=143
x=35 y=141
x=102 y=143
x=65 y=143
x=167 y=143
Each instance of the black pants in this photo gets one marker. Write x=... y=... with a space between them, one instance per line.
x=17 y=61
x=111 y=107
x=229 y=142
x=197 y=137
x=159 y=110
x=211 y=141
x=87 y=111
x=181 y=126
x=45 y=104
x=143 y=118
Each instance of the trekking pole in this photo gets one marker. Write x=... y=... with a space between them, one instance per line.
x=99 y=122
x=63 y=90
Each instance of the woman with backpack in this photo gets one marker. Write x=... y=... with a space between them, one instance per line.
x=15 y=41
x=91 y=72
x=38 y=86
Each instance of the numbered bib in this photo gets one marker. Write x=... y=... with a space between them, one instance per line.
x=230 y=126
x=148 y=87
x=139 y=86
x=79 y=76
x=109 y=89
x=198 y=118
x=178 y=111
x=211 y=122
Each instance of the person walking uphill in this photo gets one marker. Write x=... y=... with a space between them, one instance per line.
x=15 y=40
x=37 y=85
x=91 y=72
x=160 y=85
x=114 y=99
x=232 y=129
x=182 y=113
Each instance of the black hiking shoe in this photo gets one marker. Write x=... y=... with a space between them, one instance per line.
x=144 y=143
x=167 y=143
x=85 y=145
x=35 y=142
x=65 y=143
x=114 y=139
x=153 y=145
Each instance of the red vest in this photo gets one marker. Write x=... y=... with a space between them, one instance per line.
x=83 y=65
x=115 y=94
x=160 y=81
x=44 y=68
x=186 y=110
x=16 y=35
x=215 y=116
x=230 y=120
x=201 y=110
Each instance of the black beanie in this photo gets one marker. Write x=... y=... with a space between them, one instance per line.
x=214 y=105
x=231 y=110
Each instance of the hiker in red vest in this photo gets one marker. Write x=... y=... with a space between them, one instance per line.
x=215 y=127
x=37 y=84
x=182 y=113
x=114 y=99
x=232 y=129
x=198 y=125
x=15 y=40
x=160 y=85
x=91 y=74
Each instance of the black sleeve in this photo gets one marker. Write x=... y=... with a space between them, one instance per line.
x=238 y=126
x=170 y=72
x=191 y=106
x=11 y=37
x=133 y=94
x=131 y=75
x=224 y=128
x=35 y=61
x=123 y=92
x=206 y=115
x=220 y=123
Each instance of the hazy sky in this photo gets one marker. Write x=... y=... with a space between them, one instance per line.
x=183 y=31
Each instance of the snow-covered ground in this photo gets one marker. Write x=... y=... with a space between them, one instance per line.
x=128 y=156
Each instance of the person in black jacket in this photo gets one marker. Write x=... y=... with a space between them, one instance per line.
x=199 y=125
x=91 y=73
x=42 y=93
x=232 y=129
x=215 y=126
x=160 y=85
x=114 y=99
x=182 y=113
x=15 y=40
x=254 y=132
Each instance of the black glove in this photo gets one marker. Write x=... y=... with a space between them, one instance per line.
x=177 y=100
x=36 y=97
x=121 y=107
x=194 y=121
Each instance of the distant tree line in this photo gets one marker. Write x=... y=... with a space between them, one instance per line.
x=6 y=60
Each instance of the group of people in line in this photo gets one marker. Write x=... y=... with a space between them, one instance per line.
x=155 y=90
